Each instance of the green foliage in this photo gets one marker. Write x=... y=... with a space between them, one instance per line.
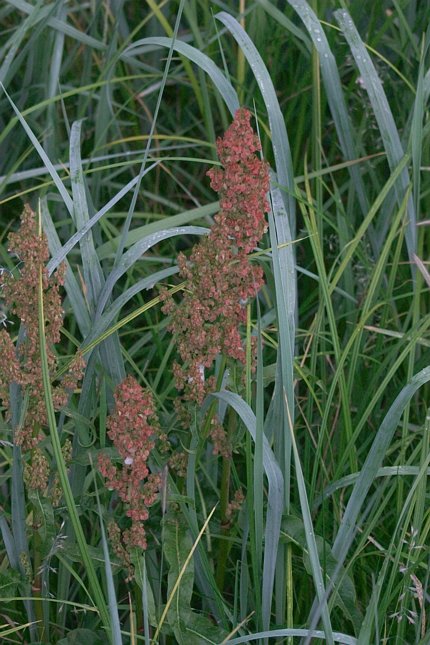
x=110 y=114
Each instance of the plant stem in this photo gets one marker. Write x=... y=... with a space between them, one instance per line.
x=225 y=545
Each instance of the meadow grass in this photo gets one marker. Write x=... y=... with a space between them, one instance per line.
x=316 y=527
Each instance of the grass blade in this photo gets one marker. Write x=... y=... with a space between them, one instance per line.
x=202 y=212
x=113 y=604
x=221 y=83
x=334 y=93
x=384 y=117
x=136 y=252
x=61 y=253
x=280 y=143
x=285 y=633
x=95 y=587
x=54 y=174
x=74 y=293
x=274 y=498
x=372 y=464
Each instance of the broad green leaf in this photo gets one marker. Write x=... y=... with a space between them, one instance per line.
x=345 y=596
x=81 y=635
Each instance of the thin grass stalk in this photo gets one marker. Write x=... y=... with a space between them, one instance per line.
x=18 y=505
x=250 y=490
x=224 y=496
x=258 y=449
x=113 y=603
x=412 y=358
x=316 y=243
x=179 y=578
x=99 y=600
x=391 y=560
x=317 y=572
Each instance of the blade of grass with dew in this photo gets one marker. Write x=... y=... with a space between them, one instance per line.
x=221 y=83
x=14 y=42
x=384 y=117
x=276 y=424
x=334 y=94
x=92 y=272
x=62 y=253
x=286 y=303
x=95 y=587
x=57 y=24
x=280 y=17
x=275 y=499
x=338 y=637
x=138 y=249
x=74 y=293
x=54 y=175
x=280 y=143
x=140 y=232
x=113 y=603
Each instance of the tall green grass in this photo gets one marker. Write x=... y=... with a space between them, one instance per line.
x=109 y=115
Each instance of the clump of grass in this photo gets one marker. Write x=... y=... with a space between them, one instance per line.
x=289 y=502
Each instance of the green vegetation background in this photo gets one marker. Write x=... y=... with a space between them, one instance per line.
x=113 y=109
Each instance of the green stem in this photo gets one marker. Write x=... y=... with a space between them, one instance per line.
x=37 y=579
x=290 y=598
x=225 y=545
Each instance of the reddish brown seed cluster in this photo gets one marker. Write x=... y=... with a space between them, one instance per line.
x=219 y=278
x=22 y=365
x=132 y=428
